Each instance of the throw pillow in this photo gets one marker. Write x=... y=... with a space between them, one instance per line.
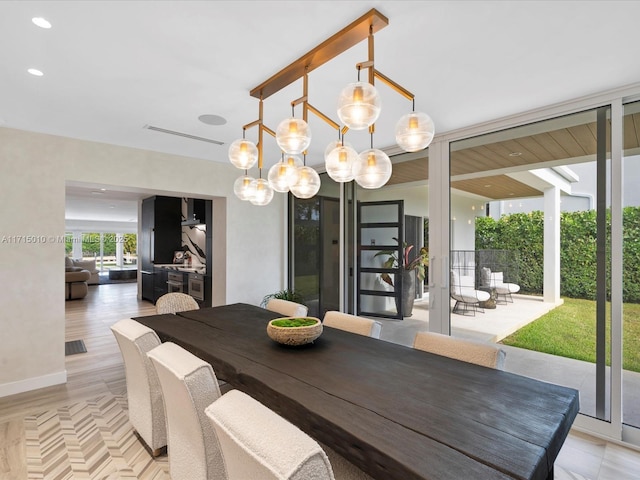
x=486 y=276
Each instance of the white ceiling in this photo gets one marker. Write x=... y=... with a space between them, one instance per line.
x=112 y=67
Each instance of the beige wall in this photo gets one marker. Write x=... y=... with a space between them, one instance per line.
x=33 y=171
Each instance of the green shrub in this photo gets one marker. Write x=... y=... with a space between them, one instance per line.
x=524 y=233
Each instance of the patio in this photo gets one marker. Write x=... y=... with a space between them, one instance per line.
x=496 y=324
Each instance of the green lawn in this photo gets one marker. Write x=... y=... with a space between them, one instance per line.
x=570 y=331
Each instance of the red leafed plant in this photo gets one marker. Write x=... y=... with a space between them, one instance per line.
x=419 y=263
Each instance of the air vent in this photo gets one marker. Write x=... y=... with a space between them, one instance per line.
x=180 y=134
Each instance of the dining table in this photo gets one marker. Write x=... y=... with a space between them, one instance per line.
x=393 y=411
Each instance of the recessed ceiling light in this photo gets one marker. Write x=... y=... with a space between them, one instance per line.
x=103 y=189
x=487 y=186
x=35 y=72
x=112 y=206
x=41 y=22
x=212 y=119
x=515 y=154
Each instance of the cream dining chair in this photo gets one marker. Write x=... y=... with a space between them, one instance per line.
x=352 y=323
x=465 y=350
x=287 y=308
x=176 y=302
x=189 y=385
x=257 y=443
x=144 y=394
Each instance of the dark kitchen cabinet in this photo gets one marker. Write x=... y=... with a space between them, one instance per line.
x=160 y=237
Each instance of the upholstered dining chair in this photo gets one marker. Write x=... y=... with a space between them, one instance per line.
x=176 y=302
x=465 y=350
x=258 y=443
x=144 y=394
x=287 y=308
x=189 y=385
x=352 y=323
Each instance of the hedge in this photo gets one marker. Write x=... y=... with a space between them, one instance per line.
x=523 y=233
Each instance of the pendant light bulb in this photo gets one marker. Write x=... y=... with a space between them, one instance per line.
x=242 y=187
x=293 y=135
x=262 y=192
x=359 y=105
x=414 y=131
x=308 y=183
x=372 y=169
x=339 y=163
x=243 y=154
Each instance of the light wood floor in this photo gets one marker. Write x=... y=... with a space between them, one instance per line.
x=100 y=371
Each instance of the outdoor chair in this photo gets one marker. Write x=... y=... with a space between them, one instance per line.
x=464 y=292
x=287 y=308
x=495 y=281
x=352 y=323
x=465 y=350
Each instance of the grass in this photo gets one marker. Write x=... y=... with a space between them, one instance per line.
x=570 y=331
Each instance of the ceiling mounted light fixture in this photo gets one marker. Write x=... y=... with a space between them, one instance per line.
x=359 y=107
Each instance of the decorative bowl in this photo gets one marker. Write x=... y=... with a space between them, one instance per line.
x=289 y=333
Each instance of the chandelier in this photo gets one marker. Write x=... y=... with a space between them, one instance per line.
x=358 y=108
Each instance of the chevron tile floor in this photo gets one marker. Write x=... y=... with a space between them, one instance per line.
x=88 y=440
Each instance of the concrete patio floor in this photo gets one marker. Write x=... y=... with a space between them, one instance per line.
x=496 y=324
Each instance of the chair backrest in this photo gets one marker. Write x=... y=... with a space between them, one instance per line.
x=455 y=283
x=144 y=394
x=188 y=385
x=287 y=308
x=259 y=444
x=464 y=350
x=467 y=282
x=352 y=323
x=176 y=302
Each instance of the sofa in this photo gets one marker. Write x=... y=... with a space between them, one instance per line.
x=89 y=265
x=75 y=283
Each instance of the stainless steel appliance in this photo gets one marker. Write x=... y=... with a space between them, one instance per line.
x=196 y=286
x=175 y=282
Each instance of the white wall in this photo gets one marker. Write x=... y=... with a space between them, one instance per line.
x=464 y=210
x=33 y=171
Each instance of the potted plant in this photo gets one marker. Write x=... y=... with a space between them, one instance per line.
x=408 y=267
x=286 y=294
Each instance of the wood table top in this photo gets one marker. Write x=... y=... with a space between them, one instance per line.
x=395 y=412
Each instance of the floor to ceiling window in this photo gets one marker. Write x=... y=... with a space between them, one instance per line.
x=530 y=225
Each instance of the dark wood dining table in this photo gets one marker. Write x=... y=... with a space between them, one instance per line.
x=393 y=411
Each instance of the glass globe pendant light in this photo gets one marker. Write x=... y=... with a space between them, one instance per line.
x=242 y=187
x=414 y=131
x=280 y=175
x=339 y=163
x=308 y=183
x=359 y=105
x=243 y=153
x=373 y=168
x=293 y=135
x=294 y=162
x=262 y=192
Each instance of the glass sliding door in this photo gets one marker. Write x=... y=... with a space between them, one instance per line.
x=315 y=248
x=631 y=266
x=530 y=229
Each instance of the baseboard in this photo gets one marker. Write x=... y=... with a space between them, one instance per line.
x=34 y=383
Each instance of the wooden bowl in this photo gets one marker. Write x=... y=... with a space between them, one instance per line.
x=294 y=335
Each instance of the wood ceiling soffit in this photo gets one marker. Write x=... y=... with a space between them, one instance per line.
x=632 y=131
x=502 y=187
x=410 y=171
